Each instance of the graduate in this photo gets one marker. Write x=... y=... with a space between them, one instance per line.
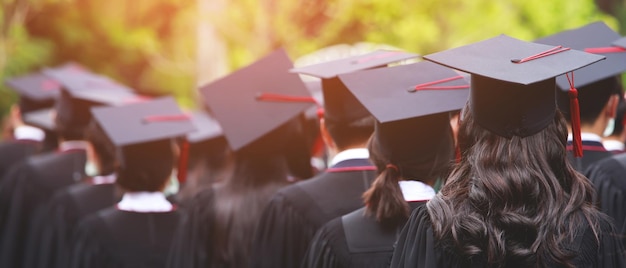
x=50 y=246
x=412 y=148
x=29 y=186
x=296 y=212
x=36 y=92
x=138 y=230
x=209 y=157
x=513 y=200
x=260 y=110
x=599 y=87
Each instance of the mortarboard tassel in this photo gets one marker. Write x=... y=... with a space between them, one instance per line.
x=604 y=50
x=429 y=85
x=574 y=117
x=184 y=148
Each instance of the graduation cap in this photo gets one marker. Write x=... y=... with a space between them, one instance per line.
x=339 y=104
x=36 y=91
x=143 y=131
x=597 y=82
x=82 y=90
x=513 y=82
x=154 y=120
x=257 y=99
x=411 y=105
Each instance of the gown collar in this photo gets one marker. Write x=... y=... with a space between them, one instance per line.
x=356 y=153
x=73 y=145
x=613 y=145
x=416 y=191
x=29 y=133
x=145 y=202
x=106 y=179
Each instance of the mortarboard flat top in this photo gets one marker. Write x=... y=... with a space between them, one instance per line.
x=233 y=100
x=35 y=86
x=389 y=93
x=148 y=121
x=587 y=38
x=84 y=85
x=493 y=58
x=620 y=42
x=206 y=127
x=43 y=118
x=334 y=68
x=509 y=97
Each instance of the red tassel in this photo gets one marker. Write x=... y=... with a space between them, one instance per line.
x=575 y=117
x=604 y=50
x=182 y=162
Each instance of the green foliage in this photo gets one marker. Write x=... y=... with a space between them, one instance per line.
x=425 y=26
x=150 y=45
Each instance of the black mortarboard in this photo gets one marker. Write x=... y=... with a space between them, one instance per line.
x=513 y=81
x=243 y=101
x=597 y=82
x=42 y=118
x=339 y=104
x=207 y=127
x=36 y=91
x=82 y=90
x=411 y=104
x=158 y=119
x=143 y=131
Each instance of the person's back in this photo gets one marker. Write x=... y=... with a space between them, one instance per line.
x=598 y=88
x=412 y=149
x=218 y=230
x=296 y=212
x=513 y=200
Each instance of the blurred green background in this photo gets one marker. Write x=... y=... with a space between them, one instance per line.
x=171 y=46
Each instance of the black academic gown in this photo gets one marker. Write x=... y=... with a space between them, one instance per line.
x=115 y=238
x=592 y=152
x=24 y=194
x=14 y=151
x=51 y=245
x=354 y=240
x=609 y=179
x=417 y=247
x=296 y=212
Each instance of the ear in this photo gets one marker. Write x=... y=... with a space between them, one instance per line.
x=610 y=108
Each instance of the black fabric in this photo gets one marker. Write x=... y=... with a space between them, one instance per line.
x=50 y=246
x=12 y=152
x=296 y=212
x=609 y=182
x=116 y=238
x=417 y=247
x=190 y=246
x=593 y=151
x=24 y=193
x=354 y=240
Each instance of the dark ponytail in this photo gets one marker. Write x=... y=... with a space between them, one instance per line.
x=384 y=198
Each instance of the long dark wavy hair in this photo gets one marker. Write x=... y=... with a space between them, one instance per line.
x=513 y=202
